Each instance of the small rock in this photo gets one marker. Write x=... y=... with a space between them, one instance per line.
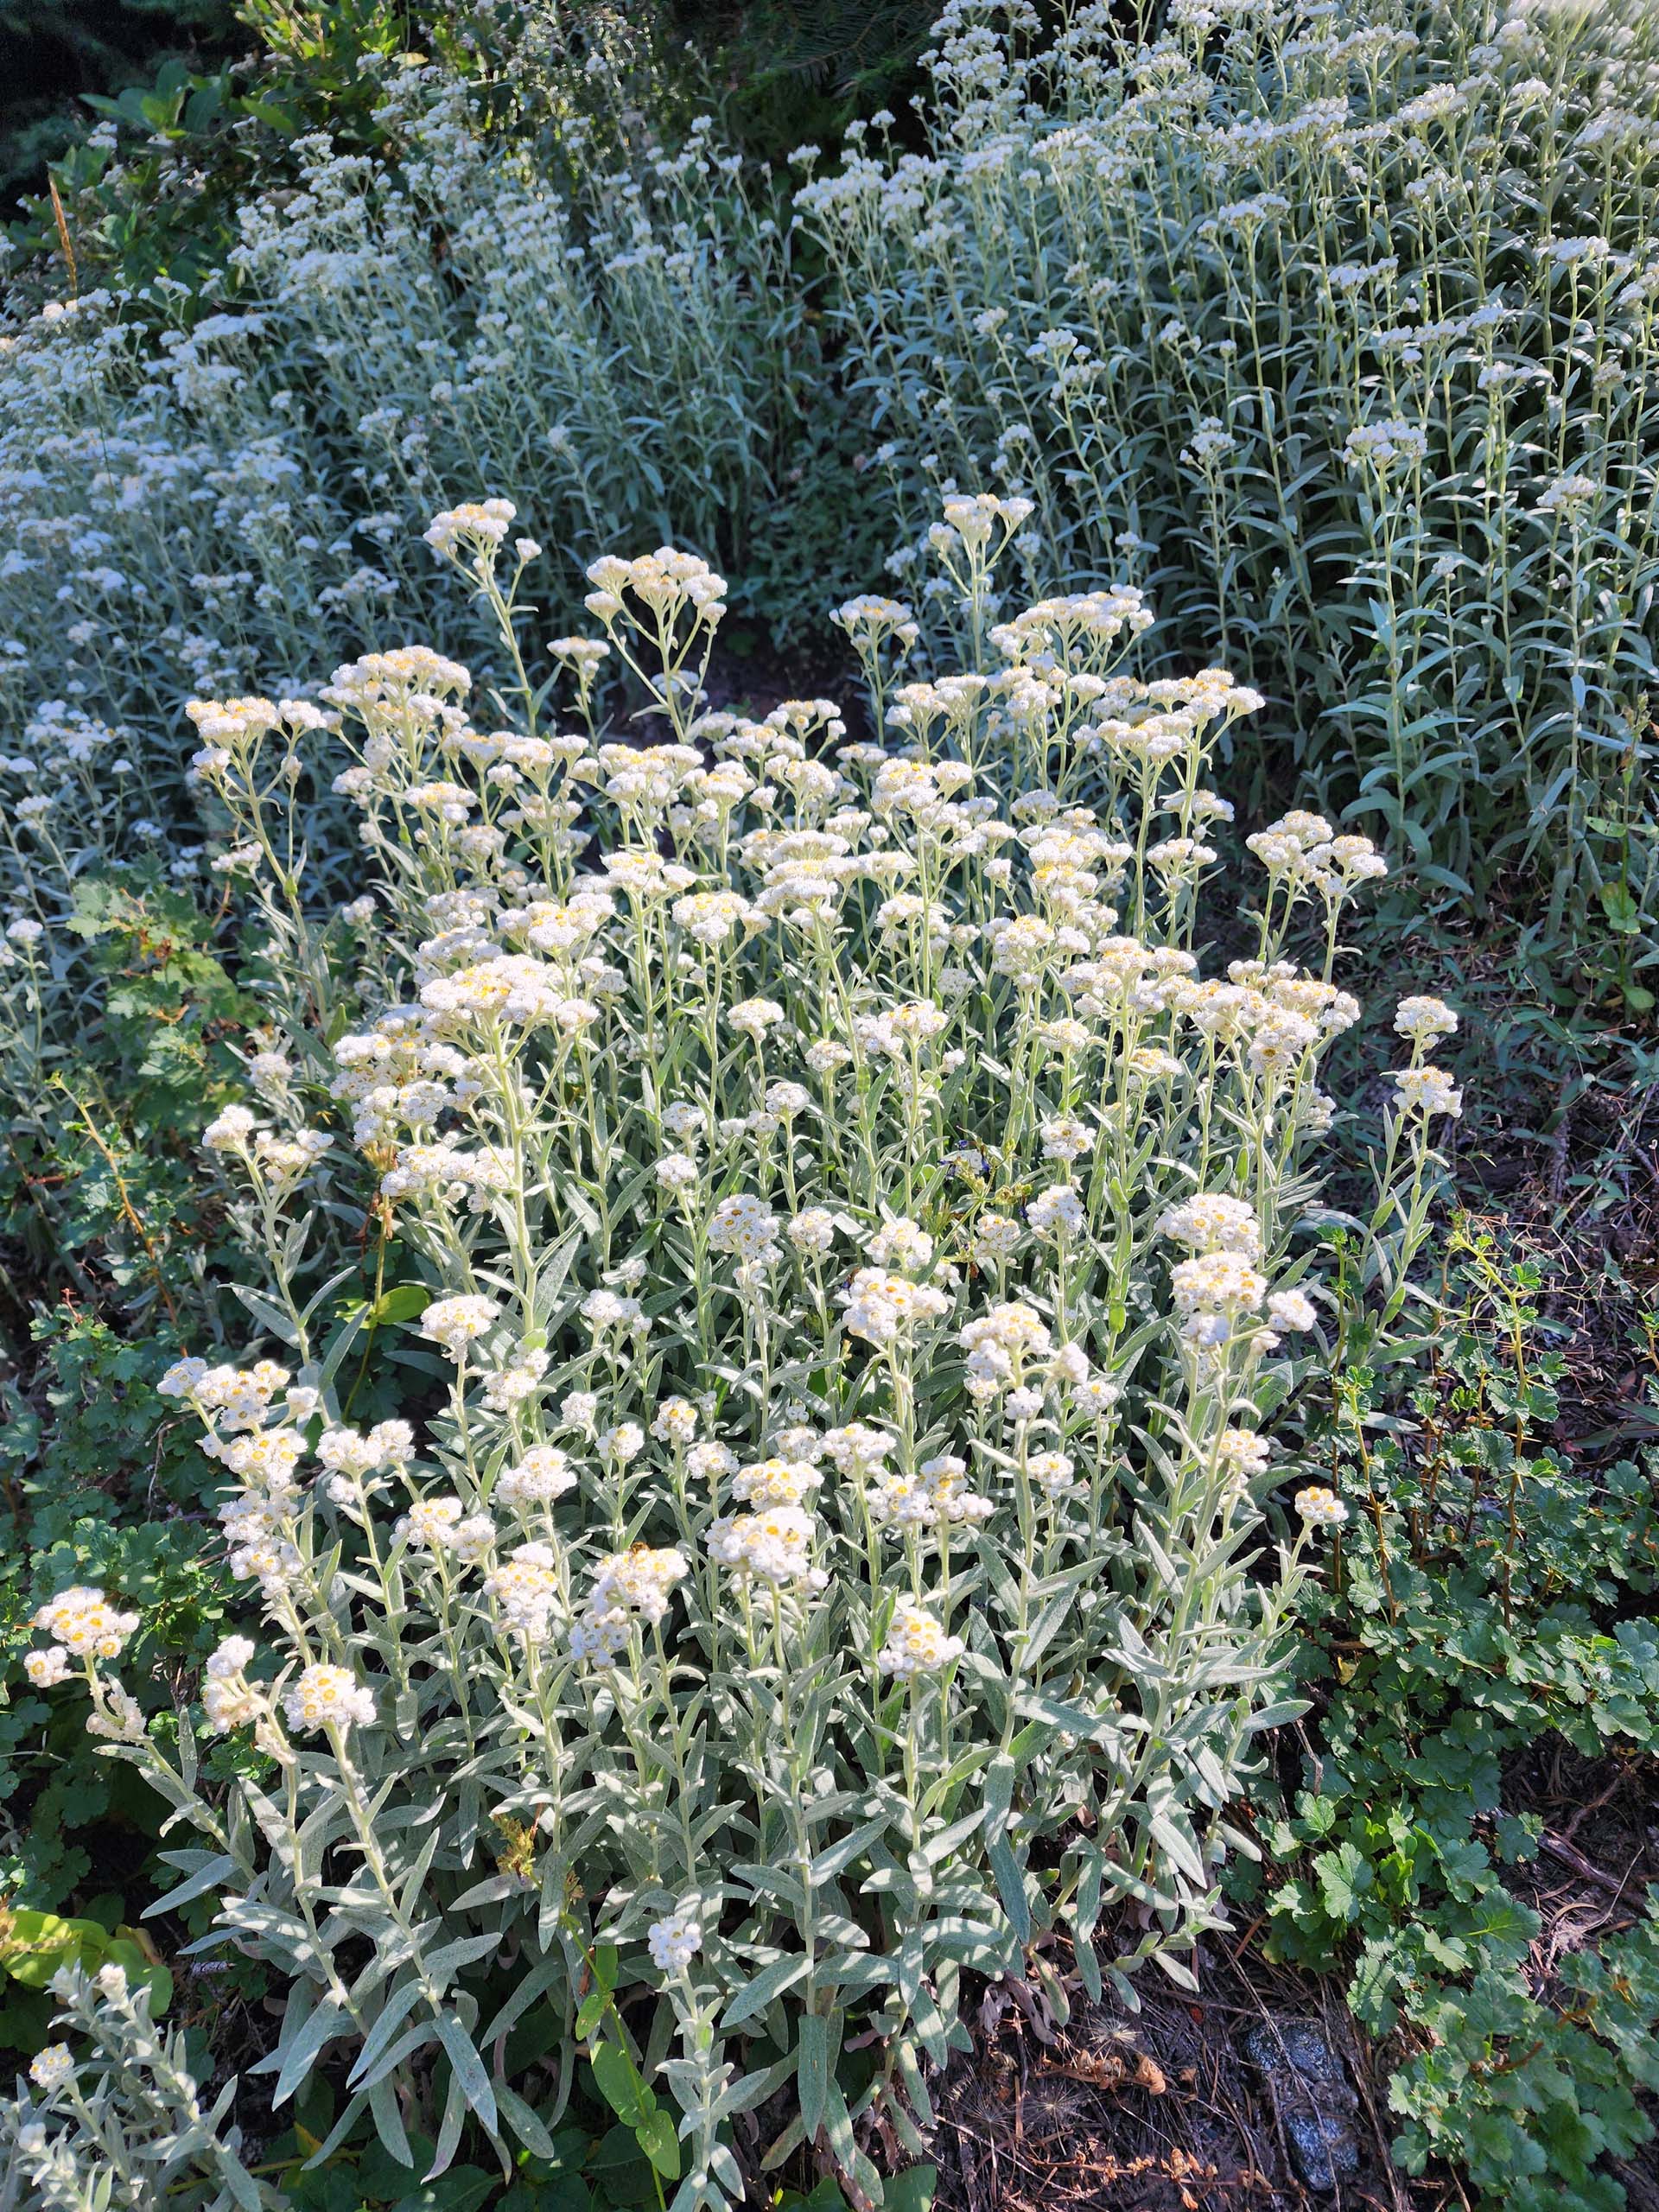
x=1312 y=2096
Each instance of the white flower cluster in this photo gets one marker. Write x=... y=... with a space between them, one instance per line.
x=325 y=1696
x=84 y=1623
x=916 y=1644
x=478 y=525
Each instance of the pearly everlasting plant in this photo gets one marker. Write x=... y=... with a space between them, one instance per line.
x=1338 y=331
x=827 y=1557
x=111 y=2116
x=1339 y=325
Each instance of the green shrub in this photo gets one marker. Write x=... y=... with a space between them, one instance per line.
x=90 y=50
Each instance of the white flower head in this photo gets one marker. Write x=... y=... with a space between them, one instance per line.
x=1424 y=1020
x=50 y=2067
x=83 y=1621
x=1427 y=1091
x=542 y=1474
x=456 y=1322
x=674 y=1941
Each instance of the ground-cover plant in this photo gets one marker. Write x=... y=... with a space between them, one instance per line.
x=822 y=1556
x=115 y=1017
x=1488 y=1594
x=101 y=1485
x=1338 y=325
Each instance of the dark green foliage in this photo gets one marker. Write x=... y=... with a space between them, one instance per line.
x=103 y=1484
x=59 y=52
x=112 y=1228
x=200 y=135
x=792 y=70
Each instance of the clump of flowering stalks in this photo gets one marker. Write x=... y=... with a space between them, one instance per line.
x=288 y=448
x=859 y=1246
x=1355 y=358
